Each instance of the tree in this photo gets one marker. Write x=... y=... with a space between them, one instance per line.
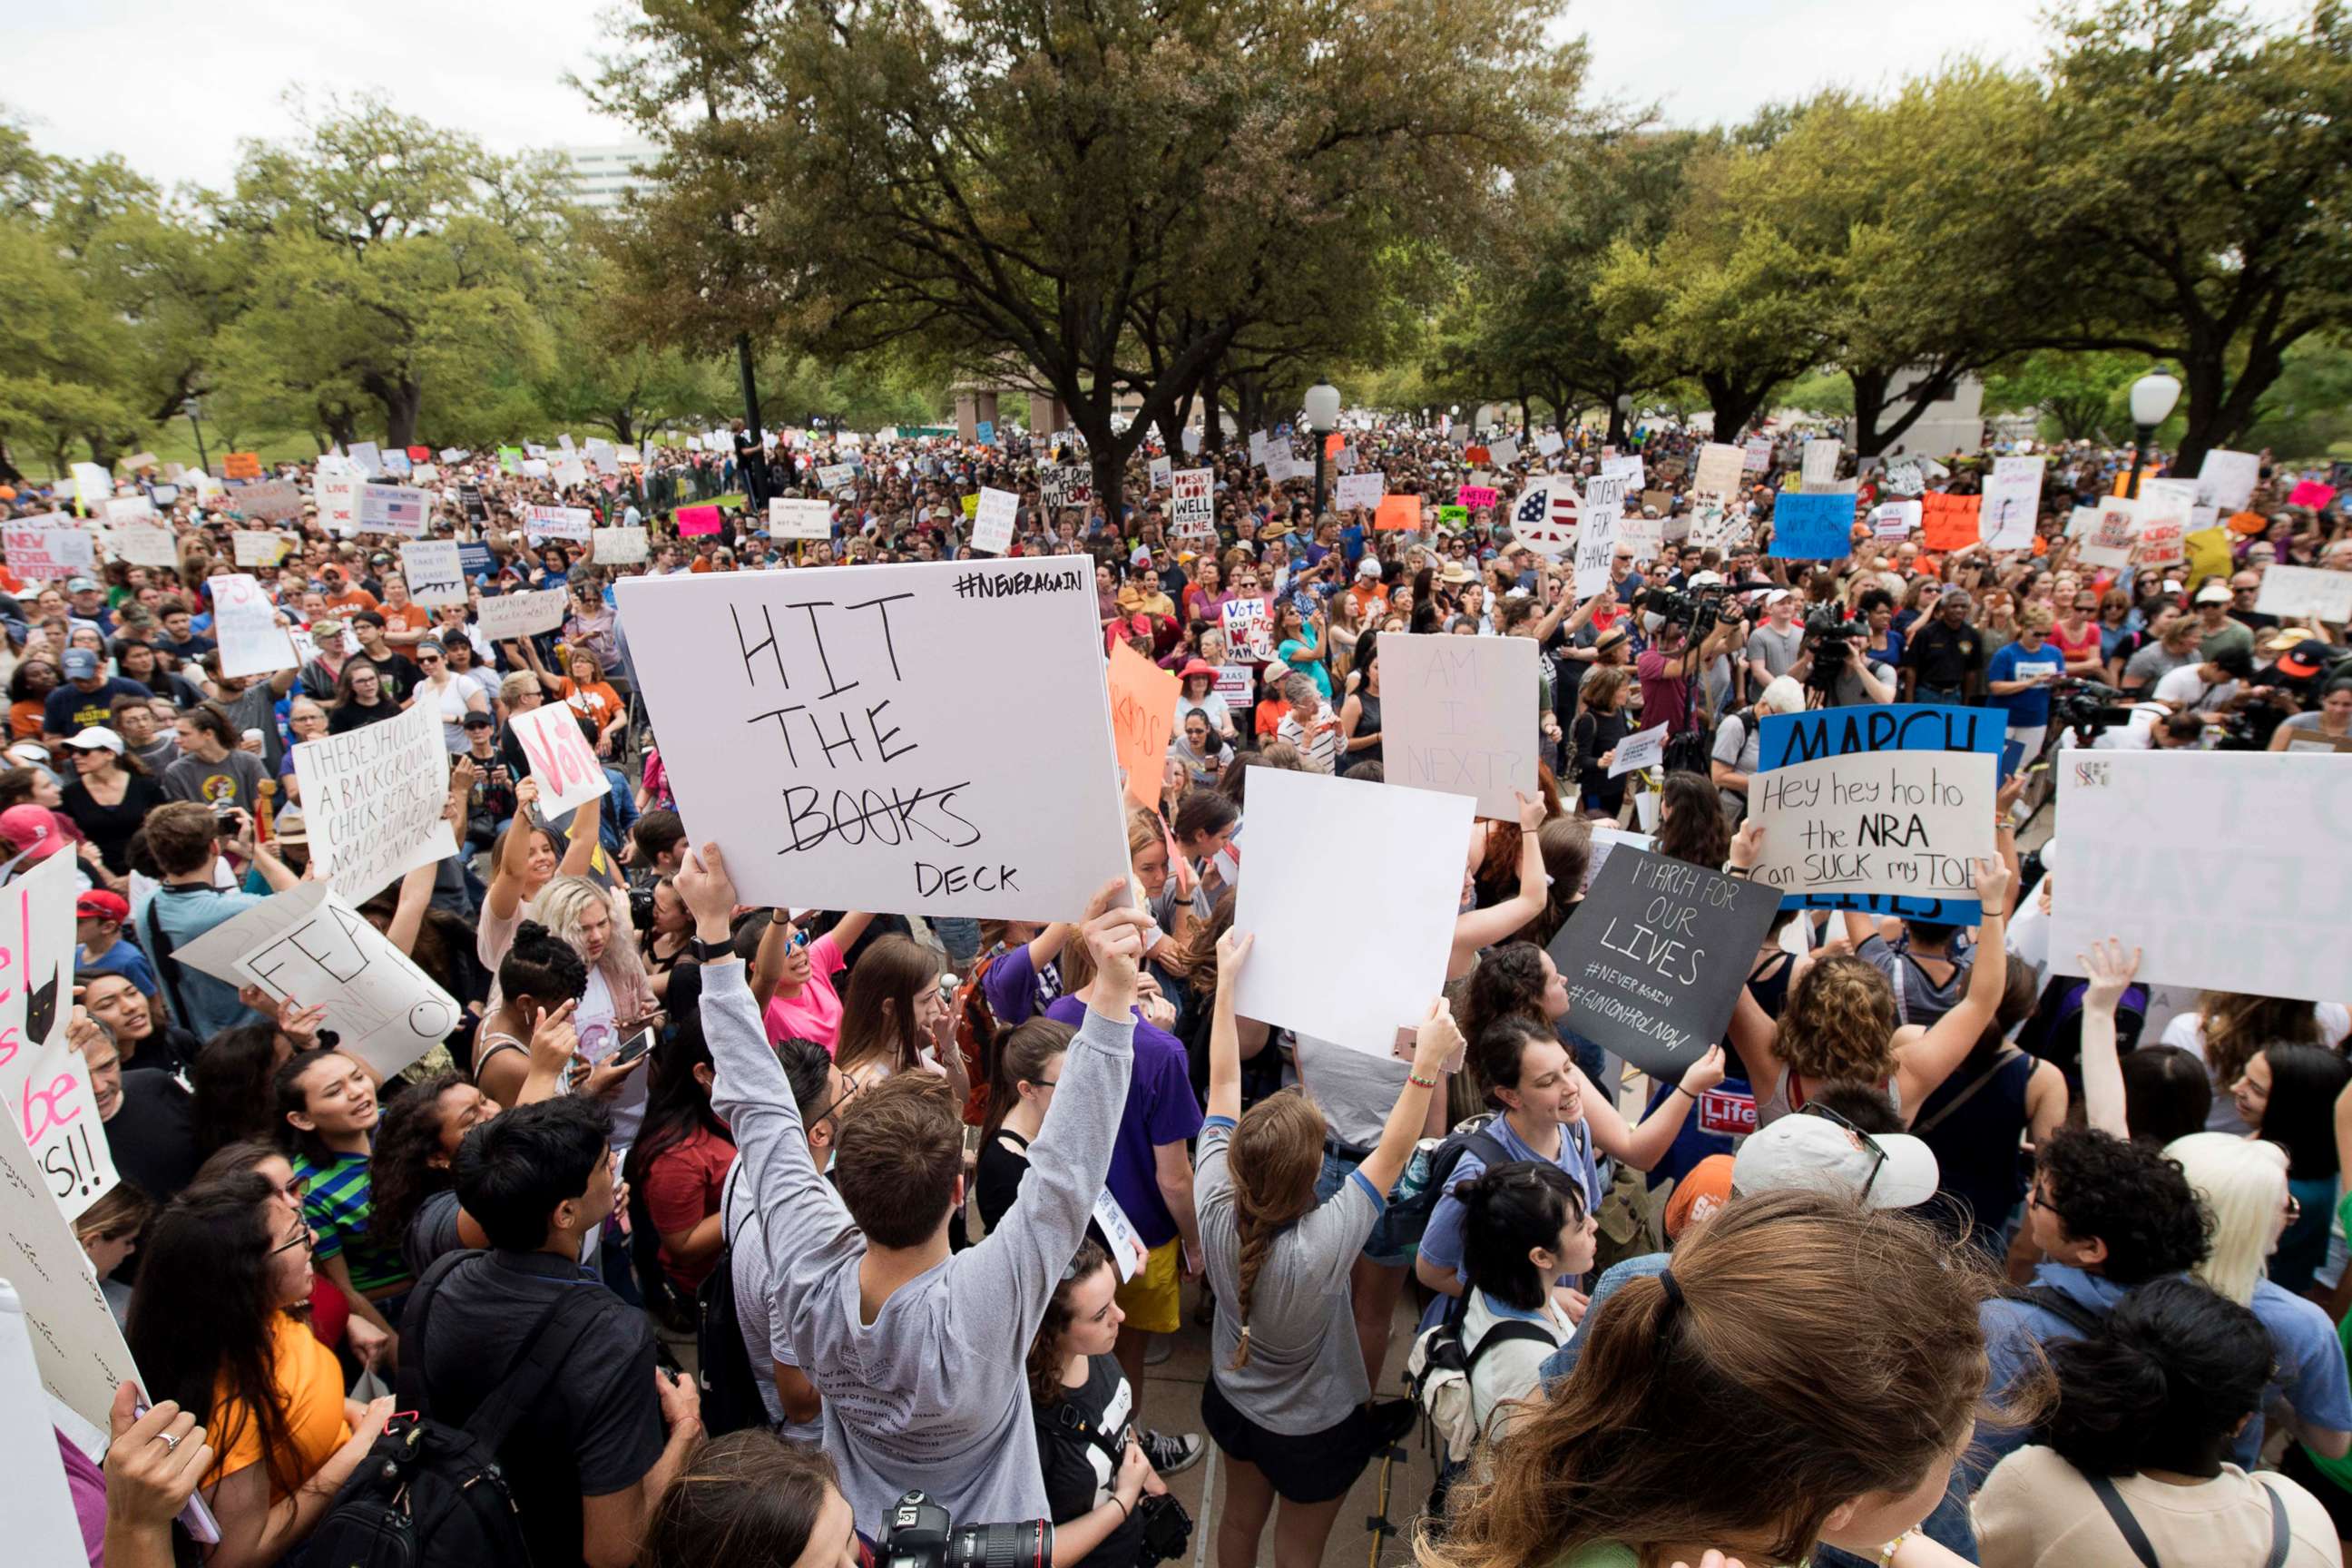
x=2197 y=171
x=2074 y=394
x=1035 y=178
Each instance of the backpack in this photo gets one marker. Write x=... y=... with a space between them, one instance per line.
x=430 y=1495
x=1439 y=1370
x=729 y=1383
x=1429 y=1174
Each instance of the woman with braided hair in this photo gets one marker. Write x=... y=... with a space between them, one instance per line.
x=1285 y=1396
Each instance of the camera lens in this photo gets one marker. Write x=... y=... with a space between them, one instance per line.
x=1029 y=1545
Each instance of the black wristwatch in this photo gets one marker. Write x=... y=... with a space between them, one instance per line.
x=707 y=951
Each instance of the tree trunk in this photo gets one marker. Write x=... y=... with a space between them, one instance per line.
x=1212 y=422
x=403 y=400
x=1526 y=415
x=1616 y=423
x=1735 y=400
x=625 y=429
x=2215 y=417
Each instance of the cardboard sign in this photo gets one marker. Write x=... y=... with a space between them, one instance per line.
x=1813 y=525
x=2011 y=503
x=245 y=623
x=272 y=501
x=1193 y=498
x=1066 y=485
x=393 y=508
x=256 y=548
x=241 y=466
x=373 y=800
x=43 y=1081
x=1719 y=468
x=561 y=759
x=1656 y=955
x=1603 y=514
x=790 y=517
x=571 y=522
x=2300 y=593
x=1142 y=717
x=805 y=728
x=43 y=552
x=693 y=520
x=623 y=546
x=431 y=569
x=41 y=1523
x=1397 y=513
x=1758 y=458
x=1642 y=749
x=991 y=520
x=503 y=617
x=1459 y=715
x=1249 y=629
x=2280 y=874
x=1949 y=522
x=1475 y=496
x=1819 y=465
x=1359 y=491
x=1354 y=982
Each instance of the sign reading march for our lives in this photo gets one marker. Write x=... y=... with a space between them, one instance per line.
x=373 y=799
x=1882 y=808
x=805 y=729
x=1656 y=955
x=47 y=1090
x=1458 y=715
x=1813 y=525
x=2258 y=909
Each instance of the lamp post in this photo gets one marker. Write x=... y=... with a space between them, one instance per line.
x=1617 y=422
x=2152 y=397
x=1322 y=418
x=203 y=461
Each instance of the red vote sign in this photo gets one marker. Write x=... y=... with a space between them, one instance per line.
x=560 y=758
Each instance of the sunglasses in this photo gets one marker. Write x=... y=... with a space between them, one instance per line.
x=1877 y=1148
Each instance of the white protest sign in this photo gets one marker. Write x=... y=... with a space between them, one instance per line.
x=425 y=473
x=2080 y=520
x=571 y=522
x=2164 y=506
x=1163 y=472
x=1065 y=484
x=254 y=548
x=76 y=1344
x=366 y=457
x=373 y=801
x=1642 y=749
x=1908 y=824
x=1718 y=470
x=48 y=548
x=1193 y=498
x=1502 y=451
x=43 y=1083
x=245 y=623
x=2115 y=529
x=836 y=476
x=533 y=468
x=1258 y=443
x=1818 y=469
x=432 y=571
x=570 y=472
x=1125 y=1246
x=1604 y=513
x=127 y=508
x=1360 y=490
x=803 y=728
x=2012 y=502
x=1458 y=715
x=2227 y=481
x=337 y=493
x=992 y=520
x=624 y=544
x=1354 y=982
x=142 y=544
x=2281 y=873
x=41 y=1523
x=503 y=617
x=1905 y=480
x=1896 y=520
x=393 y=508
x=93 y=486
x=1548 y=444
x=1759 y=455
x=793 y=516
x=1249 y=629
x=1544 y=517
x=561 y=759
x=2296 y=592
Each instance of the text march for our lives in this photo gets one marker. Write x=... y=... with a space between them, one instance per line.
x=844 y=735
x=1880 y=809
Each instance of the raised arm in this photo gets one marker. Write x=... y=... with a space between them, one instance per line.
x=1225 y=1034
x=1481 y=928
x=580 y=855
x=1927 y=1061
x=2110 y=974
x=1643 y=1146
x=1433 y=1044
x=514 y=858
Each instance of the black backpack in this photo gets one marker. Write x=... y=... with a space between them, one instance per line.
x=430 y=1495
x=729 y=1383
x=1424 y=1184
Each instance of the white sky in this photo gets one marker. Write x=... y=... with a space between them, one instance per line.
x=174 y=88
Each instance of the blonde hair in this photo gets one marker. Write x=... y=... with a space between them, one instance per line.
x=2243 y=1185
x=559 y=907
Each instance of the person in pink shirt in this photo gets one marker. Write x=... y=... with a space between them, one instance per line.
x=805 y=1005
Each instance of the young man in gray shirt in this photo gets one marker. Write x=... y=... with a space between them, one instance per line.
x=920 y=1357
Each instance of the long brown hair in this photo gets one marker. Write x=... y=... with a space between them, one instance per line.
x=1045 y=1354
x=2238 y=1026
x=1276 y=1154
x=892 y=970
x=1808 y=1352
x=749 y=1500
x=1839 y=1022
x=1020 y=1055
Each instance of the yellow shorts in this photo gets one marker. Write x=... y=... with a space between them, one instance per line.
x=1153 y=1300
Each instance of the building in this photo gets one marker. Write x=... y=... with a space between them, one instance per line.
x=601 y=176
x=1951 y=423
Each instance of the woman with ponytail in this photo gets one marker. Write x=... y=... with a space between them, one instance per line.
x=1804 y=1373
x=1286 y=1389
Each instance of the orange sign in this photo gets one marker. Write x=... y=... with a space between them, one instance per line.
x=1948 y=523
x=1333 y=443
x=1398 y=513
x=1142 y=717
x=241 y=466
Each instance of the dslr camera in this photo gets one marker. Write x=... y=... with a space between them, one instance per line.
x=922 y=1536
x=1699 y=611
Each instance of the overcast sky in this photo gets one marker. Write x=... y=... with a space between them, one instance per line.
x=173 y=89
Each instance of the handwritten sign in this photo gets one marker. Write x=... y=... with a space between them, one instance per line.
x=2311 y=493
x=2295 y=593
x=1642 y=749
x=1396 y=513
x=1193 y=498
x=805 y=729
x=45 y=1085
x=571 y=522
x=1720 y=465
x=1249 y=629
x=142 y=544
x=1474 y=496
x=502 y=616
x=431 y=569
x=1949 y=522
x=2227 y=480
x=1817 y=468
x=77 y=1347
x=47 y=549
x=1656 y=955
x=1813 y=525
x=1548 y=444
x=2012 y=502
x=273 y=500
x=393 y=508
x=1603 y=515
x=991 y=520
x=1458 y=715
x=245 y=623
x=622 y=545
x=241 y=466
x=836 y=476
x=794 y=517
x=560 y=758
x=373 y=799
x=693 y=520
x=1359 y=491
x=1142 y=717
x=257 y=549
x=1065 y=485
x=1758 y=456
x=2113 y=531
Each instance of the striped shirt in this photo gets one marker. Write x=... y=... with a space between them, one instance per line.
x=336 y=1198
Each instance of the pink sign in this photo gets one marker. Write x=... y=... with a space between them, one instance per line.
x=693 y=519
x=1475 y=496
x=2311 y=493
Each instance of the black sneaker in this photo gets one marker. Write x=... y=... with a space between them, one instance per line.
x=1171 y=1456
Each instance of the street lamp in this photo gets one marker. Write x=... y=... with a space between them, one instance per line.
x=202 y=461
x=1617 y=426
x=2152 y=397
x=1322 y=418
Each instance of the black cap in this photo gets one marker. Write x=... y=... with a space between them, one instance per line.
x=484 y=720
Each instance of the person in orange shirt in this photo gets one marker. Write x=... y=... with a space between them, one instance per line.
x=587 y=692
x=343 y=592
x=406 y=621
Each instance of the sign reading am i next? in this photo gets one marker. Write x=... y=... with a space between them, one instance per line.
x=844 y=733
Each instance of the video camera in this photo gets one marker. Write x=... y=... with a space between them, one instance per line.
x=922 y=1536
x=2089 y=708
x=1699 y=611
x=1827 y=638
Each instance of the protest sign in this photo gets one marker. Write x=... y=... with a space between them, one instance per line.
x=48 y=548
x=1065 y=485
x=142 y=544
x=127 y=508
x=41 y=1523
x=475 y=559
x=2208 y=555
x=1397 y=513
x=366 y=457
x=790 y=517
x=76 y=1344
x=1948 y=523
x=272 y=501
x=693 y=520
x=1603 y=514
x=1548 y=444
x=1360 y=490
x=393 y=508
x=2311 y=493
x=1354 y=982
x=561 y=759
x=1813 y=525
x=337 y=494
x=968 y=505
x=571 y=522
x=2163 y=533
x=1503 y=452
x=622 y=545
x=1163 y=472
x=1817 y=468
x=245 y=623
x=1193 y=498
x=2314 y=740
x=1894 y=520
x=1905 y=480
x=2281 y=873
x=1656 y=955
x=501 y=616
x=1545 y=516
x=991 y=522
x=1714 y=526
x=1458 y=715
x=241 y=466
x=2080 y=520
x=2011 y=503
x=43 y=1081
x=570 y=472
x=1236 y=683
x=1758 y=456
x=1142 y=717
x=1249 y=629
x=1126 y=1247
x=1881 y=807
x=1642 y=749
x=253 y=548
x=805 y=729
x=2227 y=480
x=1720 y=466
x=533 y=468
x=1257 y=449
x=310 y=945
x=397 y=465
x=2115 y=531
x=985 y=432
x=2295 y=593
x=430 y=568
x=836 y=476
x=373 y=798
x=1474 y=496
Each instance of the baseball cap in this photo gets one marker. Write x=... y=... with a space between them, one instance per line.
x=2304 y=660
x=95 y=738
x=82 y=585
x=1885 y=1171
x=1706 y=579
x=97 y=904
x=1368 y=567
x=477 y=721
x=327 y=626
x=2213 y=594
x=80 y=664
x=31 y=830
x=1777 y=595
x=1707 y=1188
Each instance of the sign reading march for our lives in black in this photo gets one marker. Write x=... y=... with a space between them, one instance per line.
x=1655 y=957
x=1891 y=825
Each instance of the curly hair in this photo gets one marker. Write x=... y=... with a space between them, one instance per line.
x=1839 y=1023
x=2162 y=1384
x=1045 y=1354
x=1692 y=828
x=1509 y=982
x=400 y=1173
x=1276 y=1154
x=2135 y=1199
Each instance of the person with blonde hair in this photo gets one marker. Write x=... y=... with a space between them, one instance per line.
x=619 y=1000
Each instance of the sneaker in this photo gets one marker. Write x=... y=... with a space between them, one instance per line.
x=1171 y=1456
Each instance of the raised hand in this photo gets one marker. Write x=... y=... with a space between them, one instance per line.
x=2109 y=971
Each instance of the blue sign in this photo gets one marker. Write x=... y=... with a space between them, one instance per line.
x=475 y=560
x=1813 y=527
x=1785 y=739
x=985 y=432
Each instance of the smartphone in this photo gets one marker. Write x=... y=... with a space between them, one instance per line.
x=638 y=1045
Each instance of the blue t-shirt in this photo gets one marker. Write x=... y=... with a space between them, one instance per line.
x=2029 y=709
x=1441 y=1242
x=200 y=1003
x=121 y=959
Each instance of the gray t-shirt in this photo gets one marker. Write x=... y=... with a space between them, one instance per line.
x=1354 y=1089
x=234 y=780
x=2153 y=663
x=764 y=1340
x=1305 y=1370
x=1778 y=649
x=1740 y=746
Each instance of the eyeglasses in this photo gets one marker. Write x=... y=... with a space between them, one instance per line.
x=303 y=1239
x=1877 y=1148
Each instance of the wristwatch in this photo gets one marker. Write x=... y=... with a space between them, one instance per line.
x=709 y=952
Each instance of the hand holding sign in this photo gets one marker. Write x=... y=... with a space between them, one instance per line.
x=567 y=769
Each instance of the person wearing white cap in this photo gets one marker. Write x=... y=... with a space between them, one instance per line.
x=2216 y=630
x=1773 y=647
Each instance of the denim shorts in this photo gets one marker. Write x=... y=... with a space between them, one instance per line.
x=1385 y=1246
